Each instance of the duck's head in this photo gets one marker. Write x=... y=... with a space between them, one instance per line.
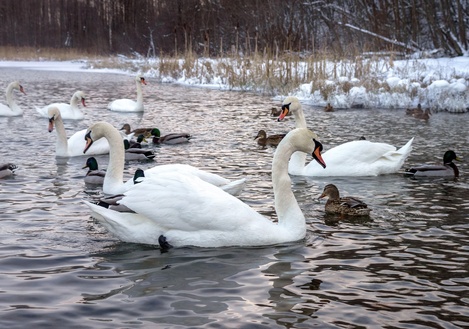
x=449 y=156
x=80 y=96
x=139 y=176
x=261 y=134
x=91 y=164
x=330 y=191
x=289 y=104
x=141 y=138
x=53 y=114
x=155 y=132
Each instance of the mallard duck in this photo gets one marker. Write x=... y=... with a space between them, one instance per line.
x=448 y=169
x=74 y=145
x=415 y=110
x=172 y=138
x=129 y=105
x=137 y=144
x=94 y=175
x=7 y=169
x=203 y=216
x=424 y=115
x=146 y=132
x=349 y=206
x=114 y=180
x=354 y=158
x=67 y=111
x=328 y=108
x=11 y=109
x=272 y=140
x=137 y=153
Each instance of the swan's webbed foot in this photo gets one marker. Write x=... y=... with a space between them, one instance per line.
x=164 y=245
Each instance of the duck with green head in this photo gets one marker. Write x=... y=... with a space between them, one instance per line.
x=448 y=169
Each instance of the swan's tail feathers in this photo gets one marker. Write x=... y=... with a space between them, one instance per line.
x=406 y=149
x=234 y=187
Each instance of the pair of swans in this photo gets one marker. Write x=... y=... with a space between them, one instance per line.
x=184 y=210
x=114 y=178
x=356 y=158
x=74 y=145
x=67 y=111
x=11 y=109
x=128 y=105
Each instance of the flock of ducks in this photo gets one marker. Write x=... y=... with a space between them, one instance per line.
x=177 y=205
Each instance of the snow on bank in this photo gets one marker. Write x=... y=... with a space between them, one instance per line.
x=440 y=84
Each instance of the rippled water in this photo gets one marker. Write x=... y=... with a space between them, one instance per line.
x=407 y=267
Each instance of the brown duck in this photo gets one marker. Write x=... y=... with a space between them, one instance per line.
x=272 y=140
x=348 y=206
x=328 y=108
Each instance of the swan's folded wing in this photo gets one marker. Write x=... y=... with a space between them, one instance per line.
x=187 y=203
x=77 y=143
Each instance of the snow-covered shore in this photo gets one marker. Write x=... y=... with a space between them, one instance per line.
x=439 y=84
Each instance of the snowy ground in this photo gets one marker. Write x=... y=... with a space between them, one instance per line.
x=440 y=84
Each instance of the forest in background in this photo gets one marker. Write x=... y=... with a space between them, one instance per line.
x=223 y=27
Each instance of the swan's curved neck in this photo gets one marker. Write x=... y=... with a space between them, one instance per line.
x=288 y=212
x=74 y=102
x=298 y=159
x=139 y=94
x=10 y=98
x=61 y=146
x=114 y=177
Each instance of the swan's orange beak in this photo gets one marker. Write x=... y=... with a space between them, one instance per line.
x=51 y=124
x=285 y=110
x=83 y=102
x=317 y=153
x=89 y=141
x=142 y=80
x=22 y=90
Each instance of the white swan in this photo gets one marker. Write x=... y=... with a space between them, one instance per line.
x=11 y=109
x=128 y=105
x=356 y=158
x=182 y=210
x=114 y=179
x=67 y=111
x=75 y=144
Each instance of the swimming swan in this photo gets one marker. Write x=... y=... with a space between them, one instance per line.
x=129 y=105
x=355 y=158
x=181 y=210
x=67 y=111
x=114 y=179
x=11 y=109
x=75 y=144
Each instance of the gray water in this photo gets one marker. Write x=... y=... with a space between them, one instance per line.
x=406 y=267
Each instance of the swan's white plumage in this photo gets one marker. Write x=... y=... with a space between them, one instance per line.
x=67 y=111
x=191 y=212
x=355 y=158
x=11 y=109
x=76 y=143
x=129 y=105
x=114 y=179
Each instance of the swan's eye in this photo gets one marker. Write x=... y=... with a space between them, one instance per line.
x=317 y=144
x=88 y=135
x=286 y=106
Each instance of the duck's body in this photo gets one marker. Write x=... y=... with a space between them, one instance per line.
x=114 y=181
x=183 y=210
x=328 y=108
x=135 y=153
x=348 y=206
x=94 y=176
x=67 y=111
x=76 y=143
x=425 y=115
x=129 y=105
x=171 y=138
x=146 y=132
x=7 y=169
x=272 y=140
x=448 y=169
x=355 y=158
x=414 y=111
x=11 y=109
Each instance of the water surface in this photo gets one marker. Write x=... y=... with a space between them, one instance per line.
x=406 y=267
